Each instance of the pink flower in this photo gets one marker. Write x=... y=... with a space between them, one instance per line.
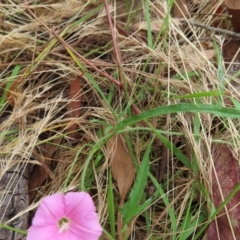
x=65 y=217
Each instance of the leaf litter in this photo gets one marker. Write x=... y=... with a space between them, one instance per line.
x=47 y=107
x=225 y=177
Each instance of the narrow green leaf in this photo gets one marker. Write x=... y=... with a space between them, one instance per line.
x=236 y=103
x=111 y=206
x=132 y=208
x=13 y=229
x=187 y=219
x=9 y=84
x=187 y=75
x=164 y=196
x=185 y=161
x=177 y=108
x=199 y=95
x=192 y=227
x=149 y=29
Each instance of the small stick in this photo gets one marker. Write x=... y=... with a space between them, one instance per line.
x=162 y=163
x=213 y=29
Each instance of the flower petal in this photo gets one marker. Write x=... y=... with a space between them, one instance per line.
x=81 y=210
x=50 y=210
x=68 y=235
x=78 y=203
x=43 y=233
x=91 y=230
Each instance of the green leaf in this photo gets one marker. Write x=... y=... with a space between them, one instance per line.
x=178 y=108
x=110 y=205
x=131 y=208
x=9 y=84
x=236 y=103
x=172 y=148
x=199 y=95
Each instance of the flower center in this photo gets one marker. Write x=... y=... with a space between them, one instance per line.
x=63 y=224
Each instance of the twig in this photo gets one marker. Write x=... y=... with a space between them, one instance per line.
x=162 y=163
x=116 y=49
x=213 y=29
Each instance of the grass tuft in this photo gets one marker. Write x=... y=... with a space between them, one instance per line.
x=159 y=84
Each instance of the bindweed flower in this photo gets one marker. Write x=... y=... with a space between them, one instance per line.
x=65 y=217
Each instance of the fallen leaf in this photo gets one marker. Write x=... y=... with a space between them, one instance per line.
x=196 y=59
x=234 y=10
x=122 y=165
x=156 y=24
x=231 y=55
x=123 y=172
x=41 y=171
x=224 y=179
x=180 y=9
x=218 y=11
x=233 y=4
x=74 y=106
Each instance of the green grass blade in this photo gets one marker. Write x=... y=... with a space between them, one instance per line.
x=236 y=103
x=160 y=192
x=187 y=75
x=221 y=71
x=149 y=29
x=192 y=227
x=178 y=108
x=185 y=161
x=9 y=85
x=13 y=229
x=132 y=208
x=199 y=95
x=110 y=205
x=187 y=220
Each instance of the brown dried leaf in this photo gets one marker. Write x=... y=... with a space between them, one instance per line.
x=233 y=4
x=234 y=10
x=122 y=169
x=180 y=9
x=194 y=60
x=231 y=55
x=122 y=165
x=156 y=24
x=224 y=179
x=123 y=172
x=40 y=172
x=74 y=105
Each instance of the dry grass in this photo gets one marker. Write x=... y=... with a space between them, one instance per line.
x=36 y=105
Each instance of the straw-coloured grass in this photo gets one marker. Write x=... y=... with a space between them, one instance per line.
x=154 y=68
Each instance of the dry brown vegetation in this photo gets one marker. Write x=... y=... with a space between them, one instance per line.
x=63 y=82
